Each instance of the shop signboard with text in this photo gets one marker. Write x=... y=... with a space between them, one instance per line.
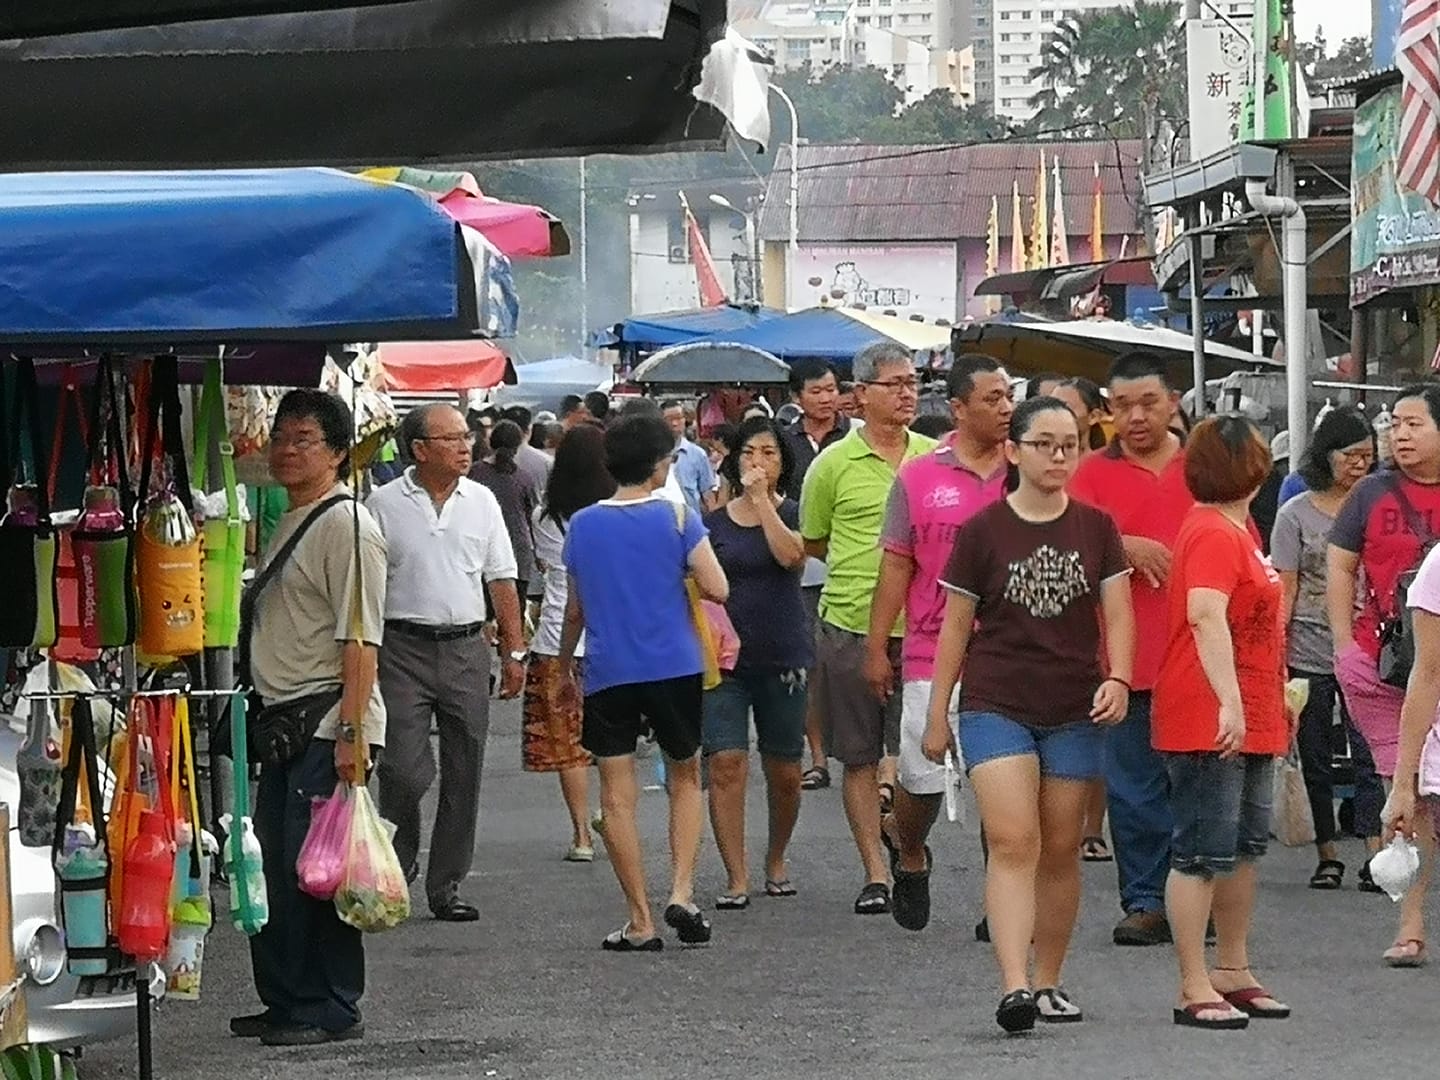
x=908 y=279
x=1396 y=239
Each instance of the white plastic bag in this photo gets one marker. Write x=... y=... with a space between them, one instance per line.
x=1292 y=822
x=1395 y=868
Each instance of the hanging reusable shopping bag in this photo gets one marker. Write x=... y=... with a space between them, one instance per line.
x=40 y=769
x=28 y=544
x=142 y=922
x=68 y=647
x=104 y=536
x=244 y=861
x=190 y=914
x=79 y=853
x=222 y=535
x=167 y=547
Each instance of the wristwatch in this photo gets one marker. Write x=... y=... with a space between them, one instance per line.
x=519 y=656
x=346 y=731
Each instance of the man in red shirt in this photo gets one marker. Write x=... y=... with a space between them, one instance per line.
x=1139 y=480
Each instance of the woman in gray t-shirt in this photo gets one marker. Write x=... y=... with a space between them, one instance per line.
x=1341 y=452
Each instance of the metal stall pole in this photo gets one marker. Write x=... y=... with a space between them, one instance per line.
x=1197 y=318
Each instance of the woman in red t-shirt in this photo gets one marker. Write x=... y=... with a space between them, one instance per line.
x=1219 y=720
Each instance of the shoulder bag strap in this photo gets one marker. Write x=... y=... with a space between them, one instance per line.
x=1413 y=519
x=164 y=426
x=25 y=398
x=69 y=392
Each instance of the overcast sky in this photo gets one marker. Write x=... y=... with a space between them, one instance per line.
x=1340 y=18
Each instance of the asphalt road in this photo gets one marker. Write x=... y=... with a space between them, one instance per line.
x=799 y=987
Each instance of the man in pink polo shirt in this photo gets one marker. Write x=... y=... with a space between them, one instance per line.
x=933 y=496
x=1139 y=480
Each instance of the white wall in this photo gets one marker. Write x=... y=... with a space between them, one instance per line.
x=911 y=279
x=657 y=284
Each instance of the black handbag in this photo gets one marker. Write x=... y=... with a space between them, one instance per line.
x=1397 y=633
x=281 y=731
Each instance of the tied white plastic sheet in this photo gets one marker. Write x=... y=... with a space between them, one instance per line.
x=1396 y=867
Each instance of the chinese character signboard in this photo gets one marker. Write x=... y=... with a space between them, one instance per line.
x=1396 y=239
x=1219 y=75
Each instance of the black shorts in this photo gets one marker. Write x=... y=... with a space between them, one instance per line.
x=618 y=716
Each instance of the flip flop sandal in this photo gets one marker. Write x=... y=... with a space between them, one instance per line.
x=1055 y=1007
x=874 y=899
x=779 y=888
x=732 y=902
x=1017 y=1012
x=621 y=941
x=1094 y=849
x=1245 y=1000
x=1409 y=953
x=1189 y=1016
x=814 y=779
x=691 y=927
x=1328 y=876
x=1366 y=883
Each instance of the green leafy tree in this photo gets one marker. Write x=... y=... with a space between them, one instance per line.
x=1354 y=57
x=839 y=104
x=936 y=118
x=1114 y=73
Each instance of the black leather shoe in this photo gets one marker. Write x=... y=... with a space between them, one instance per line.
x=307 y=1035
x=456 y=911
x=255 y=1025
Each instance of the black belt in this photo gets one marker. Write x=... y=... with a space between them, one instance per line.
x=433 y=633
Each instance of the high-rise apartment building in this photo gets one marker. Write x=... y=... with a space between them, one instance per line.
x=919 y=44
x=1009 y=34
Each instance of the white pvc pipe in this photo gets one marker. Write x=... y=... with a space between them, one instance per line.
x=1297 y=301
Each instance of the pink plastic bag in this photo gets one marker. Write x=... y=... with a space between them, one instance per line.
x=722 y=631
x=321 y=865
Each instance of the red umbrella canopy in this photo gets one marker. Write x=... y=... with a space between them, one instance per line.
x=430 y=366
x=519 y=230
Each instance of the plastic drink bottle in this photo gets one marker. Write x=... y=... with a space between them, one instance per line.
x=144 y=926
x=82 y=868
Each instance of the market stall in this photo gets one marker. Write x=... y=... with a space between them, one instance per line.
x=247 y=261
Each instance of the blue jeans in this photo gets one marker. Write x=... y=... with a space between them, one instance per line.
x=1138 y=790
x=1222 y=811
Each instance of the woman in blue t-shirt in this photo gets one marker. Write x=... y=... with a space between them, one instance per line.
x=627 y=558
x=757 y=540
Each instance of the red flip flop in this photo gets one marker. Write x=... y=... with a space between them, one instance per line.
x=1189 y=1016
x=1245 y=999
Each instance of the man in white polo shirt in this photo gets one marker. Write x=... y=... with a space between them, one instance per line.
x=446 y=540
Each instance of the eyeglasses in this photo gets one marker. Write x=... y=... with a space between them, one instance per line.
x=1365 y=456
x=1069 y=448
x=468 y=437
x=895 y=384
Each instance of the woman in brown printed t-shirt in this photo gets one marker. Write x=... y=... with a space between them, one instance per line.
x=1039 y=572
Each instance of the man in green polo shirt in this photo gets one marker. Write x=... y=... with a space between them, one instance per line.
x=842 y=509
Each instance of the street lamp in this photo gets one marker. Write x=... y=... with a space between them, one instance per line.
x=794 y=189
x=752 y=237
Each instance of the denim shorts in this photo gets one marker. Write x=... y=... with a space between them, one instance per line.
x=777 y=699
x=1071 y=751
x=1221 y=809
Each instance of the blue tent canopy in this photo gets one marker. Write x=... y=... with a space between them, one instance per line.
x=171 y=258
x=814 y=333
x=647 y=333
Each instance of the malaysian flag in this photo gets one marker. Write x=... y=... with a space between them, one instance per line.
x=1418 y=57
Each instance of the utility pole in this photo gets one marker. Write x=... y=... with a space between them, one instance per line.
x=584 y=268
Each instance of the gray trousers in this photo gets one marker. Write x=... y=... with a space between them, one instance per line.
x=446 y=680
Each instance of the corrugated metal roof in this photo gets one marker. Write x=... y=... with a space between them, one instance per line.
x=887 y=193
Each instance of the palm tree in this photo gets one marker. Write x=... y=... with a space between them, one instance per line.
x=1114 y=73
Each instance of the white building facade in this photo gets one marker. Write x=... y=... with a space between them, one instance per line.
x=1009 y=36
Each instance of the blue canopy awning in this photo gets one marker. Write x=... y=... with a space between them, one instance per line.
x=175 y=258
x=647 y=333
x=814 y=333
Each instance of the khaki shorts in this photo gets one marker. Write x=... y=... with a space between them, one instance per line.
x=859 y=729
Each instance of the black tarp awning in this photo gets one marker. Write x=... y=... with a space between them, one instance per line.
x=425 y=81
x=42 y=18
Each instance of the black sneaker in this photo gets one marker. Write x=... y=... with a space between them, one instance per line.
x=255 y=1025
x=1017 y=1012
x=982 y=930
x=910 y=895
x=309 y=1035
